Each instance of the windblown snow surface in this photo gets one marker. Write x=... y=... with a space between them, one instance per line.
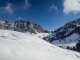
x=21 y=46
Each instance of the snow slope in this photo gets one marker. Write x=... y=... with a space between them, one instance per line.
x=20 y=46
x=41 y=35
x=74 y=39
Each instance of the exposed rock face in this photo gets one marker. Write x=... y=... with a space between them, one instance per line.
x=4 y=24
x=19 y=25
x=30 y=27
x=38 y=28
x=22 y=26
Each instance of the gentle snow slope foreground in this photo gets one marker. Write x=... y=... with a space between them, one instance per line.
x=20 y=46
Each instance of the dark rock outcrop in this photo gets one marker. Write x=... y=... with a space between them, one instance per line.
x=23 y=26
x=4 y=24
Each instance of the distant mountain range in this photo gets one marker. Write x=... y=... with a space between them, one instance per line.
x=26 y=26
x=21 y=26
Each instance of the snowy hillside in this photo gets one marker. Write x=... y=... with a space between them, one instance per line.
x=64 y=43
x=20 y=46
x=67 y=35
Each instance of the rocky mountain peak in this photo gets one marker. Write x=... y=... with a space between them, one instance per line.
x=21 y=26
x=4 y=23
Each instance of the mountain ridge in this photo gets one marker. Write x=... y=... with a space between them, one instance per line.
x=21 y=25
x=64 y=33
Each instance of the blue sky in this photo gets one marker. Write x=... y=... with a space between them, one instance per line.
x=50 y=14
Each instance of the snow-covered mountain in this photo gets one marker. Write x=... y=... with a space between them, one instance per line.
x=22 y=46
x=67 y=35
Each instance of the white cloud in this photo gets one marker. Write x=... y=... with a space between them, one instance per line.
x=26 y=4
x=71 y=6
x=7 y=9
x=53 y=7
